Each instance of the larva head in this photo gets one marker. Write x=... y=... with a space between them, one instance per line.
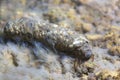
x=82 y=48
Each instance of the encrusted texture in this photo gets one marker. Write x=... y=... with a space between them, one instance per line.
x=52 y=35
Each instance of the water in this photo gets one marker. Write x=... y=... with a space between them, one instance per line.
x=36 y=60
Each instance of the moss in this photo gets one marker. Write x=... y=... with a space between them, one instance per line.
x=115 y=50
x=107 y=75
x=71 y=14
